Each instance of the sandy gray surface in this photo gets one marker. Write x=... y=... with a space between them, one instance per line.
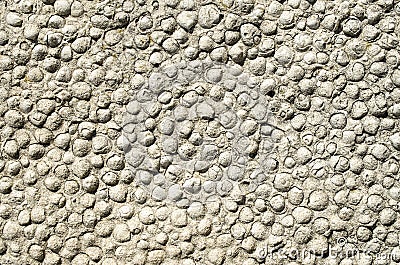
x=199 y=132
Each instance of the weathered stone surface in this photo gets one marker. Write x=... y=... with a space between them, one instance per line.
x=199 y=132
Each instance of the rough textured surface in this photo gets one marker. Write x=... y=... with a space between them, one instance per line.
x=199 y=132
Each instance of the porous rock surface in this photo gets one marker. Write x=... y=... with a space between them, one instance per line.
x=199 y=132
